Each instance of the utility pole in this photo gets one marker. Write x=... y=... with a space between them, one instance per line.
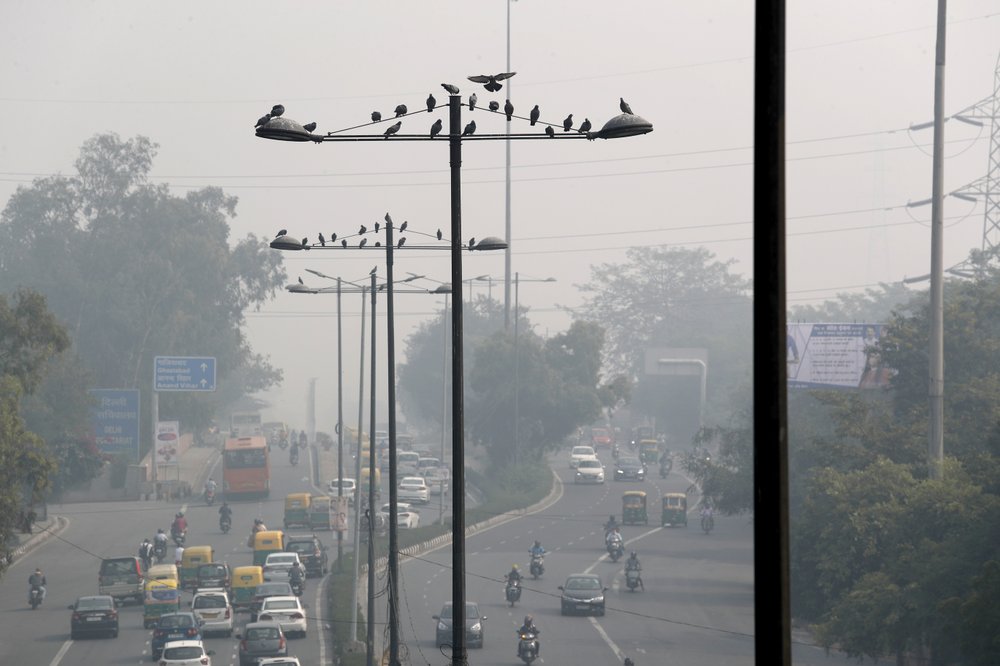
x=935 y=388
x=507 y=236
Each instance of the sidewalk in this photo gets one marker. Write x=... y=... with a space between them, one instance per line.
x=41 y=530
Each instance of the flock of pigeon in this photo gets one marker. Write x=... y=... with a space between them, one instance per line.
x=490 y=82
x=324 y=241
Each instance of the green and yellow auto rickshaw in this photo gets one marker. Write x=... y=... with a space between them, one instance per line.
x=265 y=543
x=634 y=508
x=321 y=513
x=675 y=507
x=649 y=451
x=244 y=585
x=160 y=597
x=297 y=509
x=193 y=557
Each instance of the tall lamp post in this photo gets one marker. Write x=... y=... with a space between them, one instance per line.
x=277 y=127
x=517 y=358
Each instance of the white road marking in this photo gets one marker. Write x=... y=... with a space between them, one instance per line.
x=607 y=639
x=62 y=653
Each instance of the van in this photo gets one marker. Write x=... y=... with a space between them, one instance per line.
x=121 y=578
x=406 y=462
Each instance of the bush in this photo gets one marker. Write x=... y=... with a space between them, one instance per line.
x=338 y=598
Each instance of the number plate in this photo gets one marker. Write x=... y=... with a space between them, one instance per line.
x=94 y=618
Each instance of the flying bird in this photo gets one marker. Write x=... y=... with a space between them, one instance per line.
x=322 y=241
x=392 y=129
x=402 y=227
x=508 y=109
x=300 y=280
x=400 y=110
x=364 y=241
x=623 y=105
x=494 y=106
x=472 y=101
x=277 y=110
x=283 y=232
x=472 y=242
x=362 y=230
x=431 y=103
x=310 y=127
x=548 y=130
x=585 y=127
x=376 y=116
x=452 y=90
x=470 y=129
x=263 y=120
x=491 y=81
x=568 y=123
x=436 y=128
x=439 y=234
x=401 y=241
x=534 y=115
x=343 y=243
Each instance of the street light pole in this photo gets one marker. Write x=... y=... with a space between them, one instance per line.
x=340 y=429
x=507 y=236
x=444 y=398
x=393 y=509
x=517 y=358
x=371 y=493
x=357 y=480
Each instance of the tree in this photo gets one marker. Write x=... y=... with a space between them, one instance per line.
x=137 y=272
x=727 y=480
x=871 y=305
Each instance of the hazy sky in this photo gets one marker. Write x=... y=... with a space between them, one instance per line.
x=194 y=76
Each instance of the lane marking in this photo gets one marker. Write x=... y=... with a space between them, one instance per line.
x=607 y=639
x=62 y=653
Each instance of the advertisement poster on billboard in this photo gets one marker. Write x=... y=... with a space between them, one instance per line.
x=168 y=434
x=832 y=356
x=115 y=419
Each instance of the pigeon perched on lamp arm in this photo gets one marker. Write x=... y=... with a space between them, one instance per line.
x=568 y=123
x=452 y=90
x=263 y=120
x=470 y=129
x=585 y=126
x=436 y=128
x=309 y=127
x=277 y=110
x=548 y=130
x=283 y=232
x=623 y=105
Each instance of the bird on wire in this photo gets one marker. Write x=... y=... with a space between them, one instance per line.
x=431 y=103
x=534 y=115
x=439 y=234
x=263 y=120
x=492 y=81
x=436 y=128
x=401 y=241
x=585 y=127
x=568 y=123
x=508 y=109
x=403 y=226
x=548 y=130
x=322 y=240
x=283 y=232
x=378 y=243
x=277 y=110
x=472 y=101
x=494 y=106
x=392 y=129
x=363 y=230
x=305 y=242
x=376 y=116
x=452 y=90
x=309 y=127
x=300 y=280
x=377 y=225
x=364 y=241
x=623 y=105
x=400 y=110
x=470 y=129
x=333 y=238
x=343 y=243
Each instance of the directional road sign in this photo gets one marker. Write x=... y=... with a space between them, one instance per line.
x=184 y=373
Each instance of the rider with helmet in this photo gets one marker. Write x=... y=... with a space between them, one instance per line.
x=530 y=628
x=537 y=550
x=146 y=553
x=514 y=576
x=632 y=564
x=179 y=525
x=37 y=580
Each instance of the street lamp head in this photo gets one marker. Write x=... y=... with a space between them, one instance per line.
x=621 y=126
x=301 y=289
x=491 y=243
x=442 y=289
x=287 y=243
x=286 y=129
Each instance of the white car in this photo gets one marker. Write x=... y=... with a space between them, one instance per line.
x=213 y=610
x=414 y=489
x=589 y=470
x=279 y=661
x=185 y=653
x=426 y=463
x=406 y=516
x=437 y=479
x=350 y=486
x=578 y=453
x=286 y=611
x=276 y=566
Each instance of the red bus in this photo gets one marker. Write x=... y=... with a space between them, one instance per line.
x=246 y=469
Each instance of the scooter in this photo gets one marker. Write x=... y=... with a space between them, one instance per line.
x=35 y=597
x=159 y=551
x=296 y=587
x=178 y=537
x=707 y=523
x=225 y=523
x=632 y=579
x=616 y=549
x=537 y=566
x=513 y=592
x=527 y=646
x=209 y=497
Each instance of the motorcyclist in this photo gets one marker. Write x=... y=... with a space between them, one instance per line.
x=529 y=627
x=179 y=525
x=210 y=486
x=225 y=511
x=613 y=536
x=296 y=576
x=632 y=564
x=160 y=540
x=536 y=550
x=612 y=524
x=707 y=511
x=514 y=576
x=303 y=439
x=258 y=526
x=37 y=580
x=146 y=553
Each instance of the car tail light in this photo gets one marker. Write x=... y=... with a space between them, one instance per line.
x=113 y=614
x=159 y=633
x=281 y=643
x=193 y=631
x=76 y=617
x=204 y=660
x=227 y=614
x=264 y=618
x=243 y=645
x=297 y=616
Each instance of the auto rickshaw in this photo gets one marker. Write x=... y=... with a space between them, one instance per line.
x=244 y=585
x=265 y=543
x=214 y=574
x=674 y=510
x=160 y=597
x=297 y=509
x=163 y=572
x=649 y=451
x=321 y=513
x=194 y=557
x=634 y=508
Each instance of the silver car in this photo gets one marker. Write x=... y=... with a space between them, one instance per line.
x=261 y=639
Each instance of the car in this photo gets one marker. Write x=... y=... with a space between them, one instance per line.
x=350 y=487
x=437 y=479
x=287 y=612
x=312 y=552
x=276 y=566
x=406 y=462
x=265 y=590
x=121 y=578
x=629 y=467
x=279 y=661
x=186 y=653
x=215 y=574
x=414 y=489
x=578 y=453
x=601 y=437
x=474 y=625
x=179 y=626
x=213 y=610
x=94 y=615
x=583 y=593
x=261 y=639
x=589 y=470
x=406 y=516
x=425 y=462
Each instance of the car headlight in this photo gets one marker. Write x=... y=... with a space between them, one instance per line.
x=476 y=628
x=442 y=626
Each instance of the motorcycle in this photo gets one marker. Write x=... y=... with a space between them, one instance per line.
x=159 y=551
x=537 y=565
x=225 y=523
x=294 y=457
x=615 y=450
x=707 y=523
x=527 y=647
x=632 y=579
x=283 y=443
x=513 y=592
x=616 y=549
x=665 y=467
x=178 y=537
x=209 y=496
x=35 y=596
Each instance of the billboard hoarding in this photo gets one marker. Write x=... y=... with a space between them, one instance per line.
x=835 y=356
x=115 y=420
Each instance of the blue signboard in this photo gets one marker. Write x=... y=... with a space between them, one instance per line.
x=116 y=421
x=184 y=373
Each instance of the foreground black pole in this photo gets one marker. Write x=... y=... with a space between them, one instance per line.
x=393 y=509
x=371 y=495
x=772 y=640
x=458 y=656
